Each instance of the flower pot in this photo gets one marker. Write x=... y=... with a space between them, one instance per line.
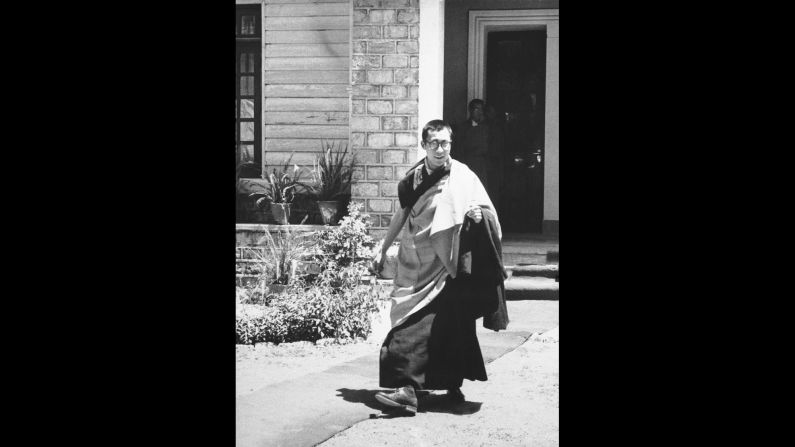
x=281 y=213
x=328 y=211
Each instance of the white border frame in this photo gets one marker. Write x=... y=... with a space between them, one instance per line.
x=483 y=22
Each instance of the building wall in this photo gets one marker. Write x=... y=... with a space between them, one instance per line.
x=306 y=72
x=384 y=80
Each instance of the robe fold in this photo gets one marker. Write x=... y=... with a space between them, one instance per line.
x=432 y=343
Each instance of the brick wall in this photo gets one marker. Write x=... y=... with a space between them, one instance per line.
x=383 y=123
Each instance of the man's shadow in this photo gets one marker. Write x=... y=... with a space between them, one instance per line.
x=426 y=402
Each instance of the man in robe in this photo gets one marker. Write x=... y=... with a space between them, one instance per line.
x=435 y=300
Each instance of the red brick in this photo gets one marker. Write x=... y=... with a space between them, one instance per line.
x=409 y=46
x=358 y=62
x=379 y=139
x=379 y=76
x=358 y=139
x=393 y=157
x=365 y=90
x=366 y=32
x=381 y=16
x=358 y=76
x=380 y=46
x=405 y=75
x=406 y=139
x=395 y=61
x=408 y=107
x=394 y=123
x=366 y=156
x=362 y=189
x=408 y=16
x=379 y=172
x=379 y=205
x=396 y=32
x=379 y=107
x=365 y=123
x=393 y=91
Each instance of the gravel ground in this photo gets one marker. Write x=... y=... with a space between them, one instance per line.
x=517 y=406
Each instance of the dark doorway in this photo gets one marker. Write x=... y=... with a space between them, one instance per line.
x=515 y=88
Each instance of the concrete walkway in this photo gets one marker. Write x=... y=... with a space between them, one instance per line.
x=313 y=408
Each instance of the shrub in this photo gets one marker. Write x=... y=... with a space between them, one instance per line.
x=349 y=242
x=335 y=306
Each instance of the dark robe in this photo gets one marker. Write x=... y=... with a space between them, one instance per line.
x=437 y=347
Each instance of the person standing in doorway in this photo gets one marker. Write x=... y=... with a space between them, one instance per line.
x=481 y=147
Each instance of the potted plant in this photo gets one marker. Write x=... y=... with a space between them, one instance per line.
x=332 y=173
x=280 y=192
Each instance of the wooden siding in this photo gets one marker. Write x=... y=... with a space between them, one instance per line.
x=306 y=77
x=323 y=36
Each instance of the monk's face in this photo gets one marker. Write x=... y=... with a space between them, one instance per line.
x=437 y=148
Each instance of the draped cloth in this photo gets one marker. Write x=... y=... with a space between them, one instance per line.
x=432 y=343
x=429 y=245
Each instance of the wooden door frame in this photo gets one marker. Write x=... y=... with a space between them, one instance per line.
x=481 y=22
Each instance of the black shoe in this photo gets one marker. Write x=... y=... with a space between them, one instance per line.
x=455 y=395
x=403 y=398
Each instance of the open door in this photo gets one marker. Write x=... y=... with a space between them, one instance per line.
x=515 y=93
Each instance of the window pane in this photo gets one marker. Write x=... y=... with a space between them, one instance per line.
x=247 y=85
x=243 y=59
x=248 y=25
x=247 y=108
x=252 y=67
x=247 y=131
x=236 y=108
x=246 y=153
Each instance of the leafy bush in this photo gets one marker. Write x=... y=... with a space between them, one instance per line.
x=348 y=243
x=335 y=306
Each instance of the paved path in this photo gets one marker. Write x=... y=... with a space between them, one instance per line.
x=315 y=407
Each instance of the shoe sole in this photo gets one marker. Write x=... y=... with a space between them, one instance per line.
x=389 y=402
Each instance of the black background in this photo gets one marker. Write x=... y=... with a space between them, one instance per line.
x=126 y=201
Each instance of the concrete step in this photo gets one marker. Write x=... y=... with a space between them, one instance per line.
x=531 y=288
x=544 y=270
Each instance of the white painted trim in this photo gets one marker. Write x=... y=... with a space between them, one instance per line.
x=482 y=22
x=431 y=66
x=249 y=2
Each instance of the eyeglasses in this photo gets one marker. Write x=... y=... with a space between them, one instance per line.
x=434 y=144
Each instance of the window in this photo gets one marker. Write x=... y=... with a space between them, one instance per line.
x=248 y=79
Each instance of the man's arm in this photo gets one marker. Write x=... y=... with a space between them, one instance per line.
x=391 y=233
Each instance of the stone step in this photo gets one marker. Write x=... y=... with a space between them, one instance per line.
x=531 y=288
x=544 y=270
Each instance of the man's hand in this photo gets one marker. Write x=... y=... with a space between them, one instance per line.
x=475 y=213
x=378 y=263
